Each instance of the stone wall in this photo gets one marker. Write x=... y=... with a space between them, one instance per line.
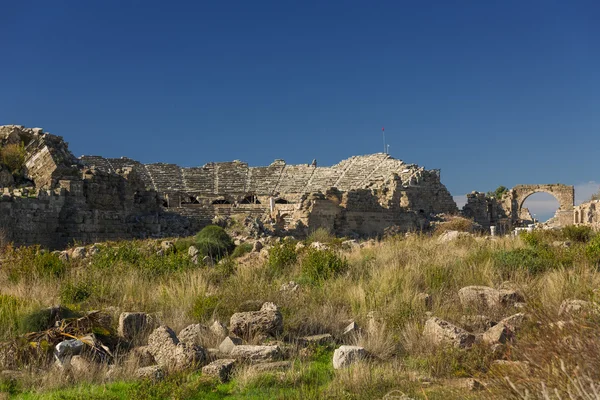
x=94 y=198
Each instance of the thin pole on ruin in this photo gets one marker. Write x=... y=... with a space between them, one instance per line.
x=384 y=146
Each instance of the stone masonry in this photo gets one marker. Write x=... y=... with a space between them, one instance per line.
x=93 y=198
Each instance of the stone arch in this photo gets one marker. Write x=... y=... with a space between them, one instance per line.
x=565 y=194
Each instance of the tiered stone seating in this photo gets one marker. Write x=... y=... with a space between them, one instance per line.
x=231 y=177
x=199 y=179
x=294 y=178
x=166 y=177
x=263 y=180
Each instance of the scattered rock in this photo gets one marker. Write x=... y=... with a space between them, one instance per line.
x=470 y=384
x=351 y=329
x=167 y=246
x=350 y=244
x=300 y=246
x=476 y=323
x=290 y=286
x=229 y=343
x=171 y=354
x=93 y=250
x=65 y=350
x=194 y=334
x=449 y=236
x=575 y=307
x=344 y=356
x=319 y=246
x=154 y=372
x=487 y=298
x=193 y=251
x=78 y=253
x=268 y=321
x=257 y=247
x=499 y=333
x=272 y=366
x=315 y=340
x=440 y=332
x=133 y=324
x=220 y=369
x=218 y=329
x=514 y=322
x=255 y=353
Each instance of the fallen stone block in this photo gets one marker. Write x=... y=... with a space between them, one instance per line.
x=254 y=354
x=345 y=356
x=268 y=321
x=220 y=369
x=440 y=332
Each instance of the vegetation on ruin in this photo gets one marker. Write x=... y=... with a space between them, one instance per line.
x=13 y=156
x=336 y=285
x=498 y=193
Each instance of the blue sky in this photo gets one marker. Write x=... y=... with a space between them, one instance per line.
x=493 y=93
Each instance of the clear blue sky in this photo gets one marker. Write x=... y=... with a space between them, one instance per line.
x=491 y=92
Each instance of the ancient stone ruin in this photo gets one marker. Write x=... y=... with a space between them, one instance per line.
x=58 y=198
x=508 y=211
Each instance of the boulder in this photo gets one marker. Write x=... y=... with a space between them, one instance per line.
x=351 y=329
x=578 y=307
x=253 y=354
x=345 y=356
x=268 y=321
x=272 y=366
x=257 y=247
x=440 y=332
x=170 y=353
x=218 y=329
x=449 y=236
x=514 y=322
x=193 y=251
x=133 y=324
x=167 y=246
x=476 y=323
x=315 y=340
x=78 y=253
x=153 y=372
x=194 y=334
x=229 y=343
x=499 y=333
x=487 y=298
x=220 y=369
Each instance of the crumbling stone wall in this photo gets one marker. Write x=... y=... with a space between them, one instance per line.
x=95 y=198
x=509 y=212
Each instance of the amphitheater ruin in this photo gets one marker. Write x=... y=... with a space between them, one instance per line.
x=58 y=198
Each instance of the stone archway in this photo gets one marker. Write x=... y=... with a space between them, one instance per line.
x=565 y=194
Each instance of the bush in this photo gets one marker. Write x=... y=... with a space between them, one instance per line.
x=204 y=307
x=575 y=233
x=13 y=156
x=592 y=250
x=242 y=249
x=29 y=263
x=281 y=256
x=214 y=242
x=320 y=235
x=532 y=260
x=73 y=293
x=320 y=265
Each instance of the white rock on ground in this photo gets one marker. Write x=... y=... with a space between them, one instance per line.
x=220 y=369
x=440 y=332
x=255 y=353
x=345 y=356
x=268 y=321
x=170 y=354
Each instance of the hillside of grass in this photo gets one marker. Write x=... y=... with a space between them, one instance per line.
x=390 y=288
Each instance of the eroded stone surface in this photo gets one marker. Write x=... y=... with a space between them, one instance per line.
x=345 y=356
x=440 y=332
x=268 y=321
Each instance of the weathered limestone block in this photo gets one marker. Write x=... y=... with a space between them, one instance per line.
x=578 y=307
x=140 y=357
x=220 y=369
x=499 y=333
x=268 y=321
x=253 y=354
x=345 y=356
x=154 y=372
x=170 y=354
x=440 y=332
x=229 y=343
x=132 y=324
x=194 y=334
x=487 y=298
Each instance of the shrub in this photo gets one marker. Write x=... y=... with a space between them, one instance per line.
x=532 y=260
x=575 y=233
x=214 y=242
x=72 y=293
x=13 y=156
x=204 y=307
x=242 y=249
x=321 y=235
x=592 y=250
x=320 y=265
x=281 y=255
x=28 y=263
